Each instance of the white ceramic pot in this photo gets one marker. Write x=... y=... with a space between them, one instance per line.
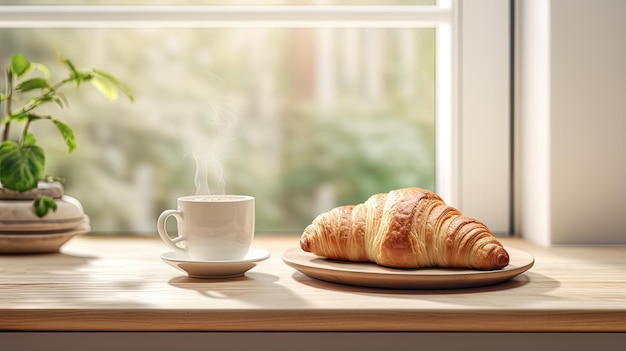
x=22 y=231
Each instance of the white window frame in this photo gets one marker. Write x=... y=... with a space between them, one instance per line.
x=483 y=168
x=473 y=135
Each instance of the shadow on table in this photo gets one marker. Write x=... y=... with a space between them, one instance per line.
x=257 y=288
x=535 y=283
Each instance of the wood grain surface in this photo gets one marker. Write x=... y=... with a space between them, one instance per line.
x=119 y=283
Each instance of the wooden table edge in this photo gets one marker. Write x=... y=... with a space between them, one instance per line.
x=317 y=320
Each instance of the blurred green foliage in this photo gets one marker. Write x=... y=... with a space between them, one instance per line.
x=289 y=148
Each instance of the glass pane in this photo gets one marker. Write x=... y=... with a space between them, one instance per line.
x=219 y=2
x=302 y=119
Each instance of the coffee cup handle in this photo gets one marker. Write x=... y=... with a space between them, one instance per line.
x=163 y=231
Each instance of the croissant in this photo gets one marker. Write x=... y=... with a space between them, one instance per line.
x=405 y=228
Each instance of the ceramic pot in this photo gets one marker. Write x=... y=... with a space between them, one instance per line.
x=22 y=231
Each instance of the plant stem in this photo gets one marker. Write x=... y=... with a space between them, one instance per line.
x=42 y=99
x=24 y=133
x=39 y=101
x=7 y=103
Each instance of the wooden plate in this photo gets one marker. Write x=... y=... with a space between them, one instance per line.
x=373 y=275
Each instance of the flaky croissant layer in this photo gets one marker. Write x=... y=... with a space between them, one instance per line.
x=405 y=228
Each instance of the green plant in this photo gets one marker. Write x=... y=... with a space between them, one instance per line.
x=28 y=85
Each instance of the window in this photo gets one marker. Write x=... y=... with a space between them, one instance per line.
x=304 y=107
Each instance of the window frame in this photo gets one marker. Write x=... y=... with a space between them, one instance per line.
x=482 y=185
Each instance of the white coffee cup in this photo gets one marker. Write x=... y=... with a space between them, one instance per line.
x=211 y=227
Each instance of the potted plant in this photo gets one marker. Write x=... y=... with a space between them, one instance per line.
x=22 y=160
x=28 y=87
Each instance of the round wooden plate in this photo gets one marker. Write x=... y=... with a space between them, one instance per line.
x=373 y=275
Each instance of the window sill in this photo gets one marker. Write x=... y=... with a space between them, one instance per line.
x=119 y=283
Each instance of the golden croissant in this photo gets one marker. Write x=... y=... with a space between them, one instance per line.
x=405 y=228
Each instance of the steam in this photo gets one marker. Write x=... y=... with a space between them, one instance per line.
x=209 y=137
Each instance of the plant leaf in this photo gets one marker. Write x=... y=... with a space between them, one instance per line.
x=21 y=167
x=68 y=63
x=41 y=68
x=32 y=84
x=116 y=82
x=67 y=133
x=105 y=87
x=75 y=75
x=43 y=204
x=29 y=139
x=19 y=65
x=61 y=101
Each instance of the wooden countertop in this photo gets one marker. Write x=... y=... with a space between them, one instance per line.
x=119 y=283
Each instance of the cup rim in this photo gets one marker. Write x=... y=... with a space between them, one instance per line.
x=235 y=197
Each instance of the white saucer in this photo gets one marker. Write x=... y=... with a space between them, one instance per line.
x=214 y=269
